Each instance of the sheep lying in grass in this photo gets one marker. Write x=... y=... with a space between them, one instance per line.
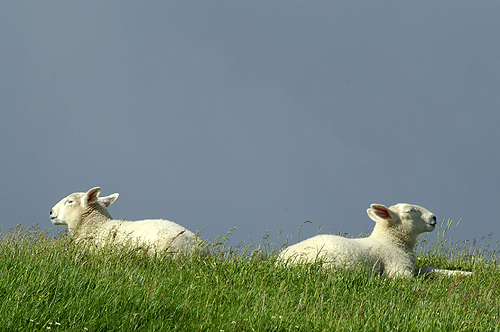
x=389 y=249
x=87 y=217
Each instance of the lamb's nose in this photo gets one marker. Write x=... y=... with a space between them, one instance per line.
x=434 y=222
x=51 y=213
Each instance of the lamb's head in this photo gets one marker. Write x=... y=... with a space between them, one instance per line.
x=72 y=209
x=404 y=220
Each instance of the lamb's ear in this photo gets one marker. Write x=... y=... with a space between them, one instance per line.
x=108 y=200
x=91 y=196
x=379 y=211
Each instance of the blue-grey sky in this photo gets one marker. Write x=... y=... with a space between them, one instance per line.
x=256 y=115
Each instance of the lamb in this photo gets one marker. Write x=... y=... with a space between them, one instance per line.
x=388 y=250
x=87 y=217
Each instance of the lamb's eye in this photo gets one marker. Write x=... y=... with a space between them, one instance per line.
x=69 y=201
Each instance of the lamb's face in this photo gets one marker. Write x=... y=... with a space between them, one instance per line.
x=68 y=210
x=415 y=217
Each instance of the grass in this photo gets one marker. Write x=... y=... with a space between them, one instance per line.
x=51 y=283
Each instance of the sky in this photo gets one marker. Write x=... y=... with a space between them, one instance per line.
x=257 y=115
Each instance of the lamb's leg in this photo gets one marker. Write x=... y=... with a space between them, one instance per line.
x=432 y=269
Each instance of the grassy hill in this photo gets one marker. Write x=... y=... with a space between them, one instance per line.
x=51 y=283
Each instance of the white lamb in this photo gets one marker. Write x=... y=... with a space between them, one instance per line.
x=87 y=217
x=389 y=249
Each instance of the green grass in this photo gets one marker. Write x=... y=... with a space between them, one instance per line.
x=51 y=283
